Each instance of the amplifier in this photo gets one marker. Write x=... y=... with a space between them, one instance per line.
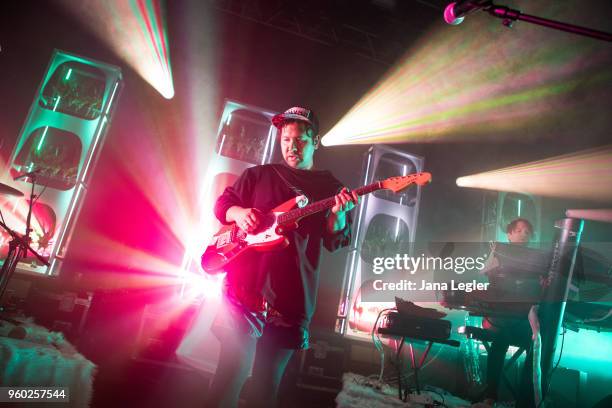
x=322 y=365
x=59 y=310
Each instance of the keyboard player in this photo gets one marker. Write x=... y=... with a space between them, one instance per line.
x=508 y=330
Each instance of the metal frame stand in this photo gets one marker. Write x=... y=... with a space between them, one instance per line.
x=19 y=245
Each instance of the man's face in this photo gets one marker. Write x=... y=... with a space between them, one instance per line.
x=298 y=145
x=520 y=235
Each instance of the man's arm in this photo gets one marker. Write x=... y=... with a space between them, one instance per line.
x=491 y=263
x=345 y=202
x=235 y=197
x=338 y=224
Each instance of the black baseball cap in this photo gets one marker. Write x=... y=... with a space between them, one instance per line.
x=297 y=113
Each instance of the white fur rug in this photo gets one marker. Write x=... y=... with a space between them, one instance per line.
x=39 y=357
x=361 y=392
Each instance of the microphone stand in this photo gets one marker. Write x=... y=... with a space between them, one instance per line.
x=18 y=246
x=510 y=15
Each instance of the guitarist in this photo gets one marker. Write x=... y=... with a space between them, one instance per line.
x=270 y=296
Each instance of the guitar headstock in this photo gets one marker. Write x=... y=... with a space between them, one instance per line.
x=399 y=183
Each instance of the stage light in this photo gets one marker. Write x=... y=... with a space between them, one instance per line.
x=480 y=80
x=136 y=30
x=582 y=175
x=163 y=176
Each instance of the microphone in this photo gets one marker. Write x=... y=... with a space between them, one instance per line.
x=455 y=13
x=28 y=174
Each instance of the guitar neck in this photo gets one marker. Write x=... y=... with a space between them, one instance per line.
x=317 y=206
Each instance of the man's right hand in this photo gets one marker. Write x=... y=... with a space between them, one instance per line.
x=247 y=219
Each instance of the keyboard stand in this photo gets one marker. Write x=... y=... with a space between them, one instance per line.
x=413 y=358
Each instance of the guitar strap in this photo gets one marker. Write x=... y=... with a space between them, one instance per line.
x=293 y=188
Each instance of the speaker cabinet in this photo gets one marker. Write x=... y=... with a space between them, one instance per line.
x=385 y=225
x=60 y=141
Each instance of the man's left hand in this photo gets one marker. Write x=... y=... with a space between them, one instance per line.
x=345 y=201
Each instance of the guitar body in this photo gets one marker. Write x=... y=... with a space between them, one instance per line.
x=230 y=242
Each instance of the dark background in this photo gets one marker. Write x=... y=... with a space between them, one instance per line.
x=264 y=66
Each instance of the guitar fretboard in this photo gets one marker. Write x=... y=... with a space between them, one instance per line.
x=298 y=213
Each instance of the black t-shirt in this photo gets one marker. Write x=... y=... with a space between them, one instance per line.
x=287 y=278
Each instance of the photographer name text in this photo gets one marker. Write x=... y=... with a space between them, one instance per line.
x=409 y=285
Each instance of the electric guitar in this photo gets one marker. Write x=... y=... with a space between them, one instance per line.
x=230 y=242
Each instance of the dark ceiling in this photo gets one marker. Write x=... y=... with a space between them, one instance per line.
x=375 y=29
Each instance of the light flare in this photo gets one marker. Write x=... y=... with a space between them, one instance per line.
x=480 y=80
x=583 y=175
x=136 y=30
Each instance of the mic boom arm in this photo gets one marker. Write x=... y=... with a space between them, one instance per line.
x=455 y=12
